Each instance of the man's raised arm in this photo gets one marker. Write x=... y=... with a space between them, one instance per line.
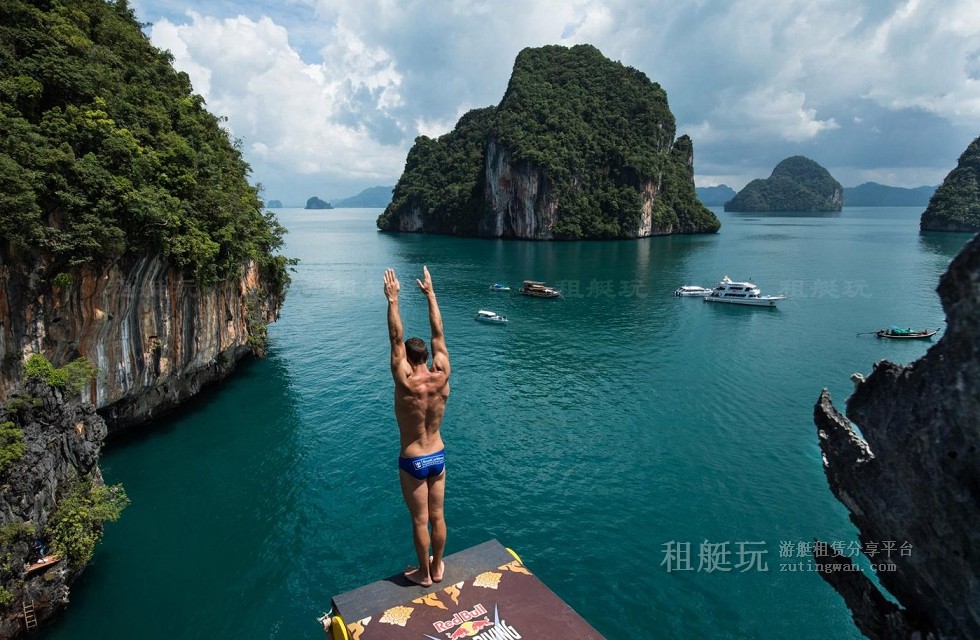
x=395 y=334
x=440 y=355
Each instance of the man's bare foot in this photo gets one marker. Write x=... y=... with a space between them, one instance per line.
x=414 y=574
x=437 y=571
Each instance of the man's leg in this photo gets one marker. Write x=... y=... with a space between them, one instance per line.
x=437 y=498
x=416 y=494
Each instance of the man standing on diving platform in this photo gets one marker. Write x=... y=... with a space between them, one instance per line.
x=420 y=402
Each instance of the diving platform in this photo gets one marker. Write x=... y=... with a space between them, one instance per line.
x=486 y=594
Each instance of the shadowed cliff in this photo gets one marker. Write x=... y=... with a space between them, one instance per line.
x=912 y=476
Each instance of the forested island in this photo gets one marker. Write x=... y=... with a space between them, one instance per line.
x=579 y=147
x=797 y=184
x=317 y=203
x=956 y=204
x=137 y=265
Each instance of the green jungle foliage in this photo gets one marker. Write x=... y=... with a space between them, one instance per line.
x=76 y=525
x=956 y=204
x=443 y=178
x=12 y=445
x=796 y=184
x=596 y=129
x=106 y=153
x=73 y=376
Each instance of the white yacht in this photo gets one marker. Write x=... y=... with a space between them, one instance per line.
x=489 y=316
x=730 y=292
x=691 y=290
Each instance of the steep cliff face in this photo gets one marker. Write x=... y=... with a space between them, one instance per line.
x=519 y=198
x=156 y=336
x=63 y=438
x=914 y=476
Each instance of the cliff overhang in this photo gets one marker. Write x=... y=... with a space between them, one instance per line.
x=912 y=476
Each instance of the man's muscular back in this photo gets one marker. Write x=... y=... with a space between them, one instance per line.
x=420 y=402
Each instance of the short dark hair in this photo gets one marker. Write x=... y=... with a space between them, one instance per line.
x=416 y=351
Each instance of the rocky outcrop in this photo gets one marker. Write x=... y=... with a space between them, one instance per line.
x=156 y=336
x=63 y=438
x=955 y=206
x=914 y=476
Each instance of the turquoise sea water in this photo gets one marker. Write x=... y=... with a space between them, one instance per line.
x=590 y=434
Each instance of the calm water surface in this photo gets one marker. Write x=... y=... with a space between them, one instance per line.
x=588 y=434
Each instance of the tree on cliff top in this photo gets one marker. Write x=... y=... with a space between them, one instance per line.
x=106 y=153
x=595 y=128
x=956 y=204
x=796 y=184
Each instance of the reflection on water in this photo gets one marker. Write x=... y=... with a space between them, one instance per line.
x=756 y=216
x=943 y=243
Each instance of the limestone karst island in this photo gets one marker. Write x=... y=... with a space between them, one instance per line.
x=956 y=204
x=579 y=147
x=797 y=184
x=136 y=267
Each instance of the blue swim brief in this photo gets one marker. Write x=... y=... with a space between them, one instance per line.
x=422 y=467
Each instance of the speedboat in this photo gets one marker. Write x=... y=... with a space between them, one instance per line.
x=539 y=290
x=489 y=316
x=691 y=290
x=496 y=286
x=730 y=292
x=906 y=334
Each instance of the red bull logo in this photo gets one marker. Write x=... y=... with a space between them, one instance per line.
x=467 y=624
x=459 y=618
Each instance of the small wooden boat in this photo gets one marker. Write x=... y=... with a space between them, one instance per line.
x=906 y=334
x=539 y=290
x=43 y=563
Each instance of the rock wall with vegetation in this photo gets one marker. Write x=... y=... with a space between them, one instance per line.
x=797 y=184
x=912 y=476
x=137 y=264
x=131 y=235
x=956 y=204
x=53 y=502
x=579 y=147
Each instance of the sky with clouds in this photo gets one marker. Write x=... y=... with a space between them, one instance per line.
x=327 y=96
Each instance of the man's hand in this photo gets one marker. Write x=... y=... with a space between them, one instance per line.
x=425 y=284
x=391 y=286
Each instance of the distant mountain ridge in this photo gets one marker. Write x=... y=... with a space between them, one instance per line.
x=797 y=184
x=714 y=196
x=372 y=197
x=872 y=194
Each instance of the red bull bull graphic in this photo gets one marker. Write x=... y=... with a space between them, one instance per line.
x=464 y=624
